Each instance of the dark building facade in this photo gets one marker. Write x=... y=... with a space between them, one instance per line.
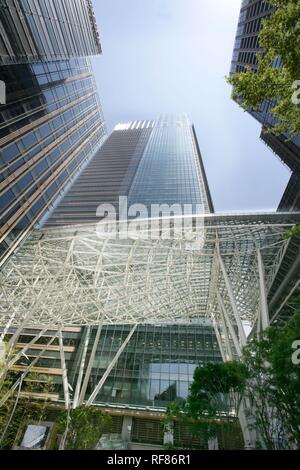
x=290 y=201
x=247 y=44
x=244 y=57
x=32 y=31
x=51 y=121
x=49 y=128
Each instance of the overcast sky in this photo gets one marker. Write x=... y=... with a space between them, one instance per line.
x=163 y=56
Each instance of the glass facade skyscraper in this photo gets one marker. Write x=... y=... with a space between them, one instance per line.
x=171 y=169
x=244 y=56
x=156 y=368
x=150 y=162
x=52 y=122
x=158 y=365
x=46 y=30
x=51 y=125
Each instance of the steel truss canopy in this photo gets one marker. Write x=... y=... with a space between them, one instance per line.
x=218 y=267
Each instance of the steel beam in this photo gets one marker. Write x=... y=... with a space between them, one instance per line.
x=90 y=366
x=110 y=367
x=64 y=370
x=26 y=372
x=230 y=326
x=264 y=310
x=81 y=368
x=236 y=314
x=219 y=340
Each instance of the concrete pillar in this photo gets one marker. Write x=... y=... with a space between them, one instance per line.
x=264 y=309
x=213 y=444
x=2 y=92
x=127 y=428
x=169 y=434
x=2 y=353
x=247 y=426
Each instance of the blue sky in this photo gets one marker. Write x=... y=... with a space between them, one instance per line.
x=163 y=56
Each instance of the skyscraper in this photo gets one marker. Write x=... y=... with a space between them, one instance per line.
x=289 y=152
x=152 y=309
x=52 y=121
x=150 y=162
x=246 y=48
x=46 y=30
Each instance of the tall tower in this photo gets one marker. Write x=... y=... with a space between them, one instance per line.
x=51 y=122
x=246 y=47
x=45 y=30
x=150 y=162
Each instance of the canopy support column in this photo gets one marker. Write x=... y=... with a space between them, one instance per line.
x=64 y=370
x=81 y=369
x=234 y=307
x=264 y=310
x=230 y=326
x=110 y=367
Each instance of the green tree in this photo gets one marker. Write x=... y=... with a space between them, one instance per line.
x=82 y=427
x=279 y=38
x=214 y=400
x=20 y=404
x=294 y=232
x=274 y=384
x=21 y=408
x=217 y=389
x=267 y=377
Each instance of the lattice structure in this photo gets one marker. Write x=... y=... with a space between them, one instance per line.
x=220 y=268
x=74 y=276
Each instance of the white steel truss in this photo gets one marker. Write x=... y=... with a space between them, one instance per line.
x=76 y=276
x=222 y=269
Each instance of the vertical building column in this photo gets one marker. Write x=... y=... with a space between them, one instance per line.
x=127 y=428
x=213 y=444
x=230 y=326
x=229 y=355
x=169 y=434
x=247 y=426
x=242 y=335
x=219 y=339
x=81 y=368
x=264 y=310
x=2 y=353
x=64 y=370
x=90 y=365
x=2 y=92
x=93 y=396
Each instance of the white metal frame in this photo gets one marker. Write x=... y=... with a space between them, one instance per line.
x=73 y=276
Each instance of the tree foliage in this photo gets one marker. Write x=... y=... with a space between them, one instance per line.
x=19 y=406
x=217 y=390
x=84 y=427
x=273 y=81
x=294 y=232
x=19 y=410
x=266 y=378
x=274 y=384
